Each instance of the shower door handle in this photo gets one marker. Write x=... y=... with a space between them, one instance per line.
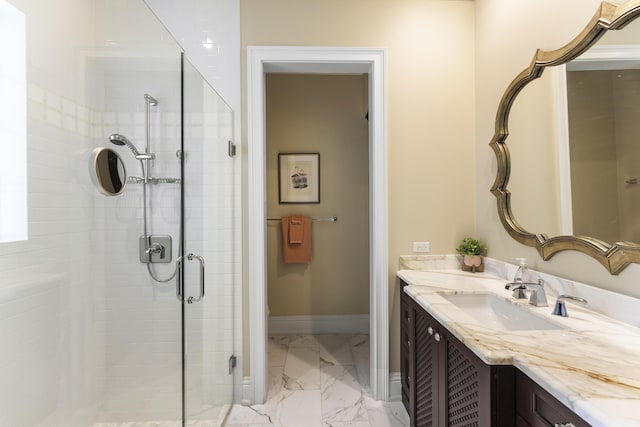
x=180 y=285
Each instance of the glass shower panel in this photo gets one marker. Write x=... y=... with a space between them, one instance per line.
x=208 y=232
x=141 y=318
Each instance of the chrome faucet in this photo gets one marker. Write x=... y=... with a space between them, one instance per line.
x=518 y=289
x=560 y=309
x=537 y=297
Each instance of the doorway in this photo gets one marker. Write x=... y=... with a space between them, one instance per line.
x=331 y=61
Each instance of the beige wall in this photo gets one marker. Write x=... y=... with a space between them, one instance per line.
x=507 y=34
x=533 y=147
x=430 y=107
x=322 y=114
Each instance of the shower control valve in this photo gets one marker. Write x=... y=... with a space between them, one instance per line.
x=155 y=249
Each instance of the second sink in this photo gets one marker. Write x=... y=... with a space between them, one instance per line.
x=494 y=312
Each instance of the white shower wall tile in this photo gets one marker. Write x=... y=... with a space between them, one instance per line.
x=70 y=229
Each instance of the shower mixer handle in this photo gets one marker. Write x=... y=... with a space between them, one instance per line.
x=155 y=248
x=180 y=285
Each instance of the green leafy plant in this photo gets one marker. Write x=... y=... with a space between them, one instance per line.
x=471 y=246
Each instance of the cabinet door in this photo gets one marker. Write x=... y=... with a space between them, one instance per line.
x=462 y=387
x=449 y=386
x=425 y=393
x=406 y=332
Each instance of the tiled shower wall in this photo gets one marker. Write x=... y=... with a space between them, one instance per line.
x=87 y=336
x=51 y=286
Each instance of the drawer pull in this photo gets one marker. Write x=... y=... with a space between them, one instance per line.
x=430 y=330
x=564 y=425
x=437 y=338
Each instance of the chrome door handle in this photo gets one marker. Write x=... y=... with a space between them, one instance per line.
x=179 y=288
x=180 y=285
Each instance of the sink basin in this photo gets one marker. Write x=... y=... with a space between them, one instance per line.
x=494 y=312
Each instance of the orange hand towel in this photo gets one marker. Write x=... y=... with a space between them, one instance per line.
x=296 y=253
x=296 y=229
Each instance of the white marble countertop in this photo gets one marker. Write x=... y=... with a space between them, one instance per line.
x=592 y=364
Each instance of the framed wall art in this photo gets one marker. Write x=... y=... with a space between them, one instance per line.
x=299 y=177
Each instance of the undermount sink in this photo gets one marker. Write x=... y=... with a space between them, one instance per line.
x=494 y=312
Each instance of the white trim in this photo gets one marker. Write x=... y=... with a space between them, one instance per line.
x=323 y=59
x=337 y=324
x=257 y=233
x=395 y=387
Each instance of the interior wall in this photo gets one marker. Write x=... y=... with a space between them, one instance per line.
x=322 y=114
x=430 y=110
x=499 y=58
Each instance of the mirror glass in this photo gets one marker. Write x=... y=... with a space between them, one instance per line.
x=110 y=173
x=533 y=145
x=567 y=144
x=597 y=95
x=603 y=99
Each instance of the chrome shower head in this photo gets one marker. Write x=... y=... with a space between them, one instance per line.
x=121 y=140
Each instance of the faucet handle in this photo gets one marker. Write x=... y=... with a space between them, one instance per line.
x=537 y=296
x=560 y=308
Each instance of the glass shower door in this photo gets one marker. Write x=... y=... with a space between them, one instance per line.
x=208 y=259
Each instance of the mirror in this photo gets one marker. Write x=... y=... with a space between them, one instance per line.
x=587 y=192
x=110 y=173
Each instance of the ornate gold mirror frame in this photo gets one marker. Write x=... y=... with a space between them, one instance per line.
x=613 y=256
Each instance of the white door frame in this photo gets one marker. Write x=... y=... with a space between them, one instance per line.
x=262 y=59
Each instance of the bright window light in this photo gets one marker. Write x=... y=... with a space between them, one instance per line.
x=13 y=124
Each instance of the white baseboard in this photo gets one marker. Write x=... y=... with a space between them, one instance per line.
x=395 y=387
x=340 y=324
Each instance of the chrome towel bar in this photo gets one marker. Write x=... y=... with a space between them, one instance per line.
x=331 y=218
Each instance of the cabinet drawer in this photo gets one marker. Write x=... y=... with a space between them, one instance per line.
x=539 y=408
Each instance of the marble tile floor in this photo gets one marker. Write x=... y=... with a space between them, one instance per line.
x=319 y=381
x=314 y=381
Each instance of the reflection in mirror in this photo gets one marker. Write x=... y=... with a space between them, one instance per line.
x=603 y=88
x=110 y=173
x=571 y=146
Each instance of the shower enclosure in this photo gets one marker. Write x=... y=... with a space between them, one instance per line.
x=92 y=334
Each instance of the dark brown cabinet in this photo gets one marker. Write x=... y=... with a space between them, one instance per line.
x=535 y=407
x=445 y=385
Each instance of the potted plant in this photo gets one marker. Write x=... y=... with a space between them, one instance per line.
x=472 y=250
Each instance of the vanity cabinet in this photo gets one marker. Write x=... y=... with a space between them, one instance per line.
x=443 y=383
x=535 y=407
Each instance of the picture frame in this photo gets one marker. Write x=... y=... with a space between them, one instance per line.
x=298 y=178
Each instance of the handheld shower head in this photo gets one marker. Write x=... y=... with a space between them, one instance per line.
x=121 y=140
